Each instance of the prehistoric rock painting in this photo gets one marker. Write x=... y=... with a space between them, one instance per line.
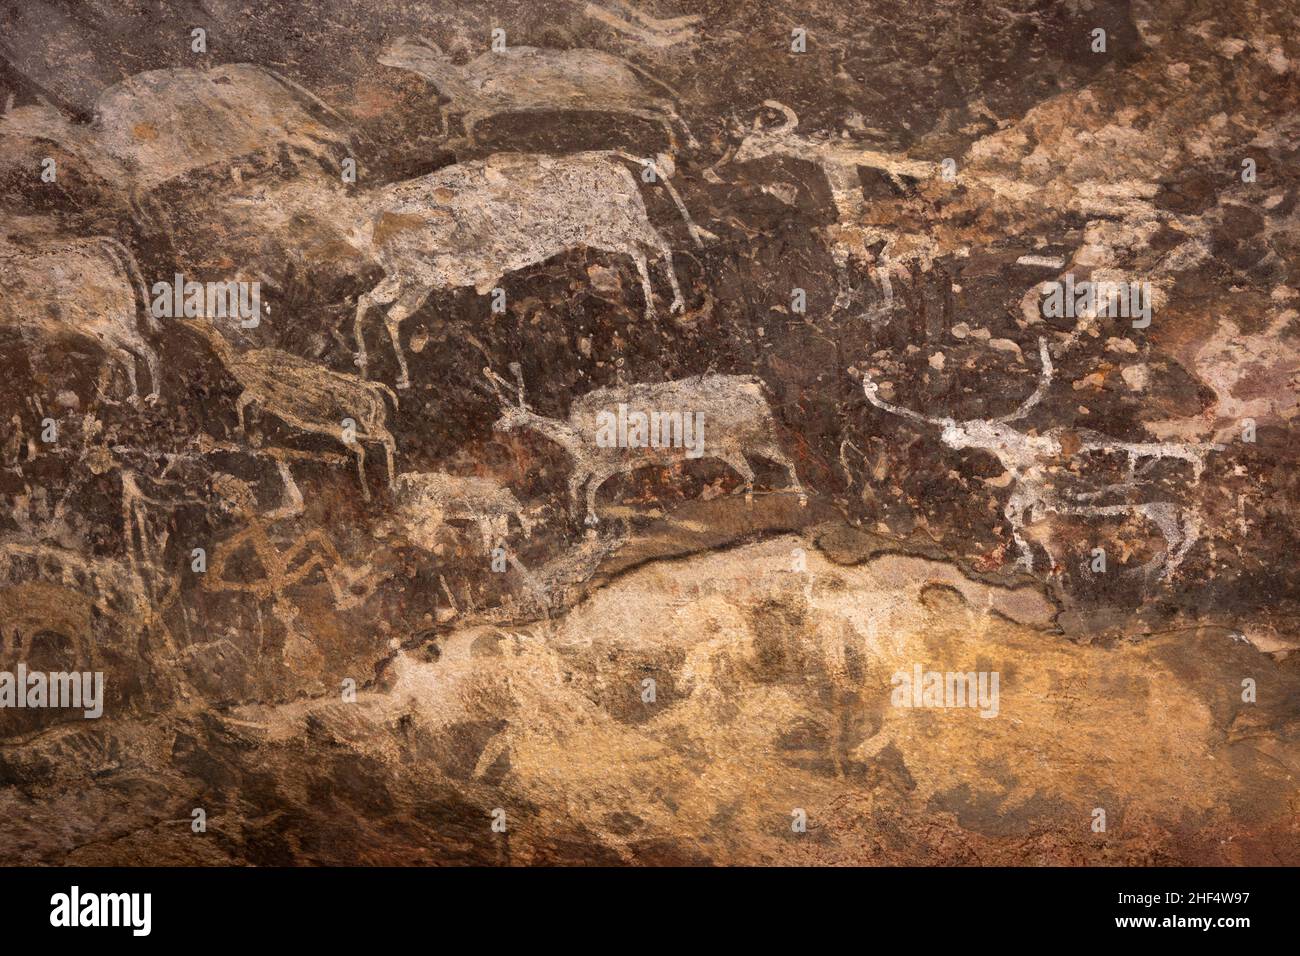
x=471 y=223
x=1027 y=459
x=426 y=501
x=515 y=79
x=849 y=236
x=739 y=420
x=309 y=397
x=84 y=288
x=640 y=432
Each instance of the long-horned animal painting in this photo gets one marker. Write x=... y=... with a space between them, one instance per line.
x=524 y=79
x=725 y=417
x=472 y=223
x=839 y=161
x=1031 y=458
x=309 y=397
x=81 y=288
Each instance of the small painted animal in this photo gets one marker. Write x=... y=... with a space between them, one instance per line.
x=308 y=396
x=525 y=79
x=424 y=502
x=733 y=409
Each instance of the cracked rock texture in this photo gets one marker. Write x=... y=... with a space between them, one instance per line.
x=365 y=586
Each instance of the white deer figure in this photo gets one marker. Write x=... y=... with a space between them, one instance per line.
x=734 y=409
x=1031 y=458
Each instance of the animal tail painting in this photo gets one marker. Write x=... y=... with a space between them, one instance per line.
x=349 y=130
x=121 y=255
x=695 y=231
x=387 y=391
x=691 y=141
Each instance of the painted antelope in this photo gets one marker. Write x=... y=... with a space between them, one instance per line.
x=1031 y=458
x=732 y=409
x=308 y=397
x=471 y=223
x=425 y=501
x=525 y=79
x=84 y=288
x=839 y=160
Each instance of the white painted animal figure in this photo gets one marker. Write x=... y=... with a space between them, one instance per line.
x=426 y=501
x=839 y=160
x=163 y=124
x=472 y=223
x=308 y=397
x=525 y=79
x=1030 y=460
x=733 y=409
x=83 y=288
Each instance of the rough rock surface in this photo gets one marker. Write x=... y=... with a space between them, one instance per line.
x=429 y=616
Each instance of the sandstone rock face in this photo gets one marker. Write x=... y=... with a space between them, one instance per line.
x=567 y=433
